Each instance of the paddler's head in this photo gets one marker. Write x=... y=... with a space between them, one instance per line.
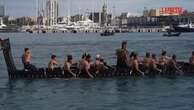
x=27 y=50
x=98 y=57
x=135 y=56
x=164 y=53
x=53 y=57
x=148 y=55
x=174 y=57
x=69 y=58
x=84 y=56
x=124 y=45
x=88 y=58
x=153 y=56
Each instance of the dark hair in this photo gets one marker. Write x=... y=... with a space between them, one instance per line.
x=153 y=55
x=147 y=54
x=88 y=56
x=69 y=57
x=84 y=55
x=132 y=54
x=193 y=53
x=26 y=49
x=135 y=55
x=163 y=53
x=124 y=43
x=101 y=60
x=53 y=56
x=173 y=56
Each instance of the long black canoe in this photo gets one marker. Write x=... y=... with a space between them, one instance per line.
x=112 y=71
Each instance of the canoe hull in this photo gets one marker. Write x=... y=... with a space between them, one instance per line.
x=112 y=72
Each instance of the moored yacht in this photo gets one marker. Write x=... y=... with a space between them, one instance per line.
x=184 y=28
x=5 y=28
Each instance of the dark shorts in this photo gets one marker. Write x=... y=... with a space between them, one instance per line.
x=30 y=67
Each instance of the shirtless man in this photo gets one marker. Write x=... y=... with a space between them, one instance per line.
x=26 y=59
x=97 y=64
x=146 y=62
x=163 y=61
x=67 y=66
x=153 y=64
x=52 y=63
x=81 y=62
x=172 y=66
x=85 y=68
x=100 y=65
x=123 y=56
x=164 y=58
x=135 y=66
x=131 y=57
x=191 y=59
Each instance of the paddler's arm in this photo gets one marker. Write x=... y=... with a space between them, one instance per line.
x=137 y=68
x=175 y=66
x=72 y=73
x=127 y=58
x=55 y=63
x=87 y=70
x=157 y=69
x=68 y=68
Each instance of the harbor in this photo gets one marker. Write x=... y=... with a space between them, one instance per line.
x=48 y=20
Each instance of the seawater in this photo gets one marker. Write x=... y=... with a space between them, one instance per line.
x=129 y=93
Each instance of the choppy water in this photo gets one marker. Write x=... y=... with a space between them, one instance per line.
x=160 y=93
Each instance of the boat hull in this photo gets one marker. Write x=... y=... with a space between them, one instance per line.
x=183 y=29
x=172 y=35
x=111 y=72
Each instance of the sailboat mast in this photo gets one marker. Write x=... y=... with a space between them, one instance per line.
x=38 y=14
x=68 y=16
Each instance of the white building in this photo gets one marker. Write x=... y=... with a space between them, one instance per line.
x=52 y=11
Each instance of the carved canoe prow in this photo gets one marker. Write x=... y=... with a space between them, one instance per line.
x=6 y=48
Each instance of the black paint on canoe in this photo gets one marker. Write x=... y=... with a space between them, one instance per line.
x=14 y=73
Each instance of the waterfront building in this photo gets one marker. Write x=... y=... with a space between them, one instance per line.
x=77 y=17
x=154 y=13
x=104 y=15
x=163 y=11
x=95 y=17
x=145 y=12
x=2 y=11
x=99 y=17
x=2 y=14
x=52 y=12
x=171 y=11
x=156 y=18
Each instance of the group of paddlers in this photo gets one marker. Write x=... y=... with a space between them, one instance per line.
x=125 y=60
x=85 y=64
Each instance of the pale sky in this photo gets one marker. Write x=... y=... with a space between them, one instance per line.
x=20 y=8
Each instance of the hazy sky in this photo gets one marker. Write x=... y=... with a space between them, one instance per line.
x=29 y=7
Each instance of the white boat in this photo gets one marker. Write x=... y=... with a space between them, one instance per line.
x=5 y=28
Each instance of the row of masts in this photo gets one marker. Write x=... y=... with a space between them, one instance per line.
x=41 y=10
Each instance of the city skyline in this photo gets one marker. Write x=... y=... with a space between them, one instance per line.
x=66 y=7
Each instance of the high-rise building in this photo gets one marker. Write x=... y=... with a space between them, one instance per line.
x=52 y=12
x=2 y=11
x=104 y=14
